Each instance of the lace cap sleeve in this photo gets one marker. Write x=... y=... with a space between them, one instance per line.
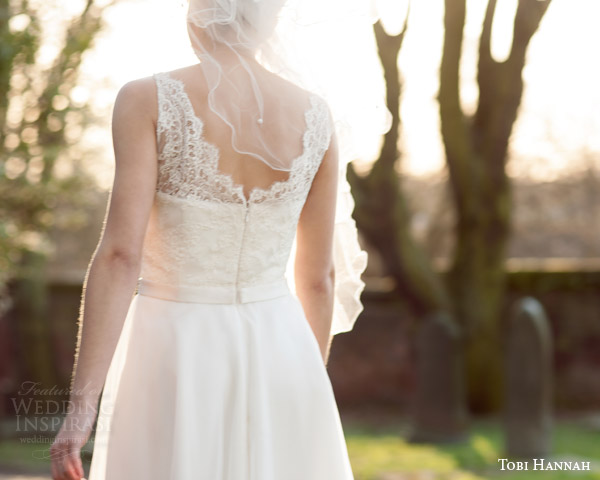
x=162 y=104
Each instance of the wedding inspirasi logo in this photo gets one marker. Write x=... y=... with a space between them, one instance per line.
x=543 y=465
x=39 y=410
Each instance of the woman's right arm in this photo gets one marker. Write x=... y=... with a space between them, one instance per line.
x=314 y=272
x=114 y=270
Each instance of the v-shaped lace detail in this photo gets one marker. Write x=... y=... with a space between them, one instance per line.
x=188 y=164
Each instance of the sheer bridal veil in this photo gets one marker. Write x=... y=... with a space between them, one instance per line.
x=326 y=47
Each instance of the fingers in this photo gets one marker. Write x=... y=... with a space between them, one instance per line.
x=77 y=465
x=65 y=462
x=53 y=469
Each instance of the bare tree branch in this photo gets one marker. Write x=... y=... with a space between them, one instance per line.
x=455 y=130
x=527 y=20
x=382 y=213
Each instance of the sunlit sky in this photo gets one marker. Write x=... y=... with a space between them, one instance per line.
x=558 y=129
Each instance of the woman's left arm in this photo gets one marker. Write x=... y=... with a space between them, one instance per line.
x=114 y=269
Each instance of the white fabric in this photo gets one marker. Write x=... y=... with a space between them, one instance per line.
x=217 y=374
x=194 y=237
x=246 y=47
x=218 y=392
x=214 y=294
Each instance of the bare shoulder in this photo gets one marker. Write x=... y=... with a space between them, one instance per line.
x=307 y=97
x=292 y=89
x=189 y=70
x=138 y=96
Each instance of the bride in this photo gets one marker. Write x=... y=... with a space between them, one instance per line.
x=231 y=205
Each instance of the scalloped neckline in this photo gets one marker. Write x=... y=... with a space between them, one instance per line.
x=237 y=189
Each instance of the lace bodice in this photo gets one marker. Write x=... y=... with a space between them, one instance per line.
x=203 y=231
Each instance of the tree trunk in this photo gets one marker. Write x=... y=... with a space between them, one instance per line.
x=382 y=213
x=383 y=216
x=476 y=152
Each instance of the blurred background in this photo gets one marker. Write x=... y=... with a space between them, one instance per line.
x=480 y=211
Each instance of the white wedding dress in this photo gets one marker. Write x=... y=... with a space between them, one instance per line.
x=217 y=374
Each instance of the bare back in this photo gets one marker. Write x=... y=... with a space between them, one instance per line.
x=284 y=121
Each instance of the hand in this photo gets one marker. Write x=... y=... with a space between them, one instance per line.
x=65 y=452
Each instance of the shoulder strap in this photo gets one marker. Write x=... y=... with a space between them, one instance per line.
x=319 y=127
x=162 y=93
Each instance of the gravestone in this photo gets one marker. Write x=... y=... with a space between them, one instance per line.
x=440 y=412
x=528 y=394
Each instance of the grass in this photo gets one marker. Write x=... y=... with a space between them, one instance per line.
x=23 y=455
x=380 y=452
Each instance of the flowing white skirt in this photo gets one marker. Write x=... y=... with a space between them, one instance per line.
x=218 y=392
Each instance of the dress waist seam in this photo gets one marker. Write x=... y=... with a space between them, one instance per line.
x=214 y=294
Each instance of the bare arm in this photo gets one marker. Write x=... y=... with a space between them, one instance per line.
x=313 y=269
x=114 y=269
